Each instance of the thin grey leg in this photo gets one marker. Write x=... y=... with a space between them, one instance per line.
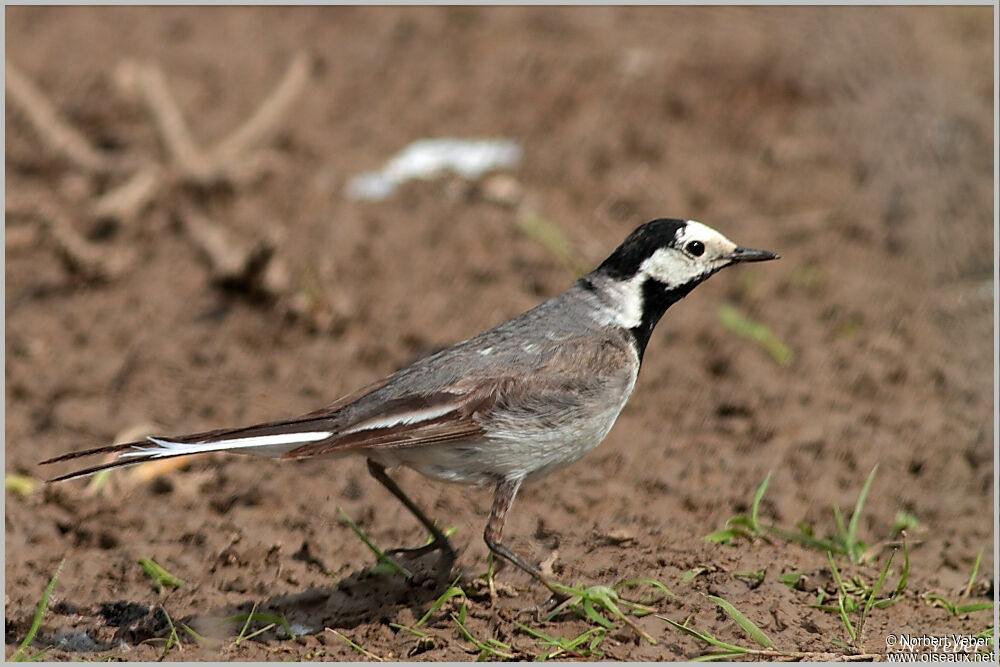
x=503 y=498
x=440 y=540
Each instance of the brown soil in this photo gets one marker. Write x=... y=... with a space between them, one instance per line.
x=854 y=141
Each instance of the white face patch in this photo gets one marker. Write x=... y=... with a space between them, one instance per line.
x=675 y=266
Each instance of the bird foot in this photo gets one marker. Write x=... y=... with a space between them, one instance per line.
x=539 y=611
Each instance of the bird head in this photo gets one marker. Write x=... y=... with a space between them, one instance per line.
x=658 y=265
x=676 y=253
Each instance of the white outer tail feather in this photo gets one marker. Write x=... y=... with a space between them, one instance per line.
x=267 y=445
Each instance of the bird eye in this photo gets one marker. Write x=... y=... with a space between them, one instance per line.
x=696 y=248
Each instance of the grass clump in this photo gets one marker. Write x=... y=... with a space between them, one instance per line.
x=602 y=605
x=586 y=645
x=270 y=621
x=487 y=648
x=764 y=647
x=741 y=525
x=957 y=609
x=845 y=542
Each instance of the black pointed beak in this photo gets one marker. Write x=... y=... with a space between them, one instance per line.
x=742 y=254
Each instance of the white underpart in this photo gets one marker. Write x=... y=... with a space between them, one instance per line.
x=172 y=448
x=412 y=417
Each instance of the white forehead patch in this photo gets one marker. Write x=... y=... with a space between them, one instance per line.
x=696 y=231
x=673 y=266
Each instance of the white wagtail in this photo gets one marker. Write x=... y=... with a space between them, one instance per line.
x=512 y=404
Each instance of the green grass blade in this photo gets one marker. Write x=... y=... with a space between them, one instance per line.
x=245 y=618
x=416 y=633
x=172 y=639
x=755 y=508
x=936 y=600
x=794 y=580
x=708 y=639
x=594 y=615
x=483 y=646
x=594 y=635
x=873 y=595
x=453 y=591
x=379 y=554
x=841 y=597
x=751 y=575
x=852 y=529
x=878 y=586
x=836 y=575
x=961 y=610
x=905 y=577
x=538 y=634
x=724 y=536
x=606 y=598
x=160 y=577
x=690 y=575
x=21 y=484
x=201 y=639
x=805 y=540
x=847 y=622
x=749 y=627
x=740 y=325
x=43 y=605
x=975 y=573
x=654 y=583
x=257 y=617
x=721 y=655
x=357 y=647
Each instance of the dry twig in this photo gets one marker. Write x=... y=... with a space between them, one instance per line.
x=263 y=122
x=251 y=267
x=50 y=128
x=232 y=261
x=88 y=260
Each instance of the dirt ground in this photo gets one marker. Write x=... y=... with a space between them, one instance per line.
x=856 y=142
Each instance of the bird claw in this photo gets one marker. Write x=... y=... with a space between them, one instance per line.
x=410 y=555
x=413 y=553
x=540 y=610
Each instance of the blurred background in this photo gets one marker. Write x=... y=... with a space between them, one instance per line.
x=189 y=246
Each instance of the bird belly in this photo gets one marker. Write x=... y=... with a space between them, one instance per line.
x=522 y=446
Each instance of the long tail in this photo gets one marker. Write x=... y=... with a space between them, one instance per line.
x=270 y=439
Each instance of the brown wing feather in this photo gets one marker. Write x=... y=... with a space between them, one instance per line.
x=458 y=424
